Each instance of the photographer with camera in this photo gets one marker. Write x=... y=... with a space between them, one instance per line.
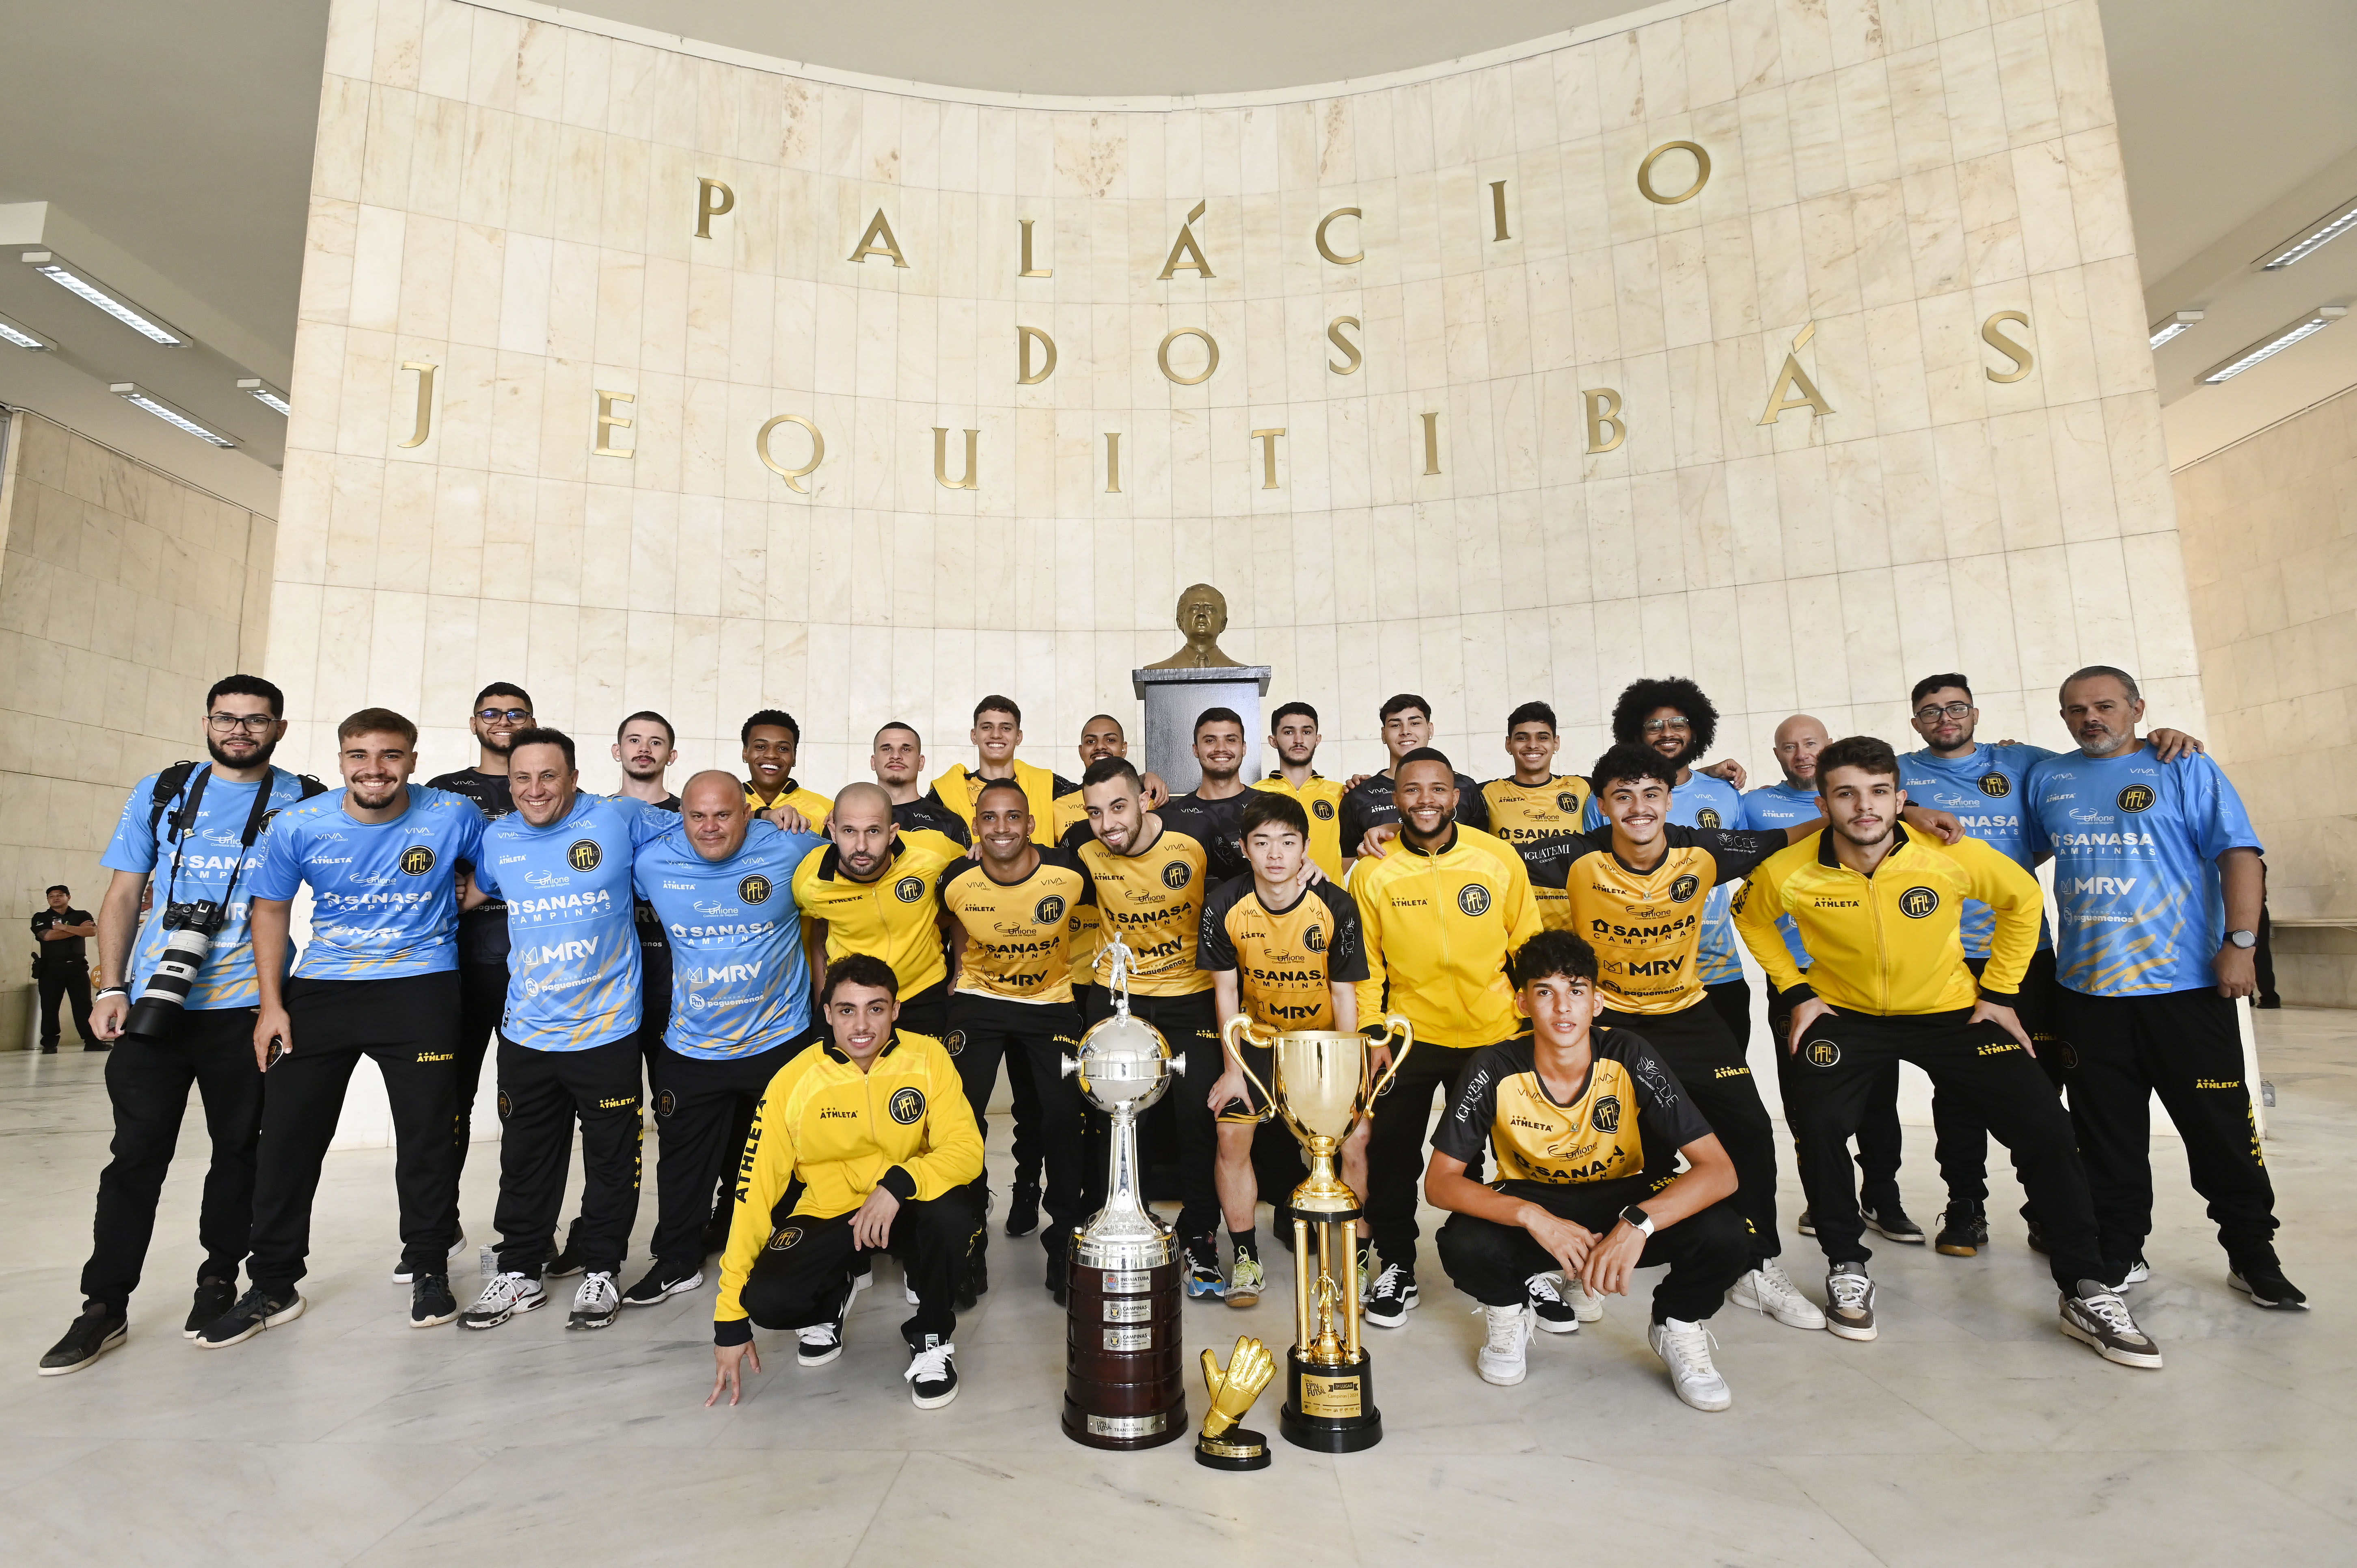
x=190 y=969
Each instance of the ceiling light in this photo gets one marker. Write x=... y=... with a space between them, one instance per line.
x=265 y=394
x=45 y=263
x=10 y=332
x=2318 y=234
x=2275 y=342
x=138 y=397
x=2170 y=325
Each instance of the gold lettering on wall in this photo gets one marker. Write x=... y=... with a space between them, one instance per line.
x=1029 y=269
x=878 y=241
x=1334 y=335
x=941 y=460
x=1113 y=462
x=793 y=477
x=2020 y=354
x=1326 y=251
x=1604 y=409
x=1267 y=439
x=1432 y=443
x=1186 y=247
x=1796 y=382
x=1024 y=374
x=424 y=401
x=713 y=197
x=608 y=421
x=1645 y=173
x=1210 y=353
x=1498 y=210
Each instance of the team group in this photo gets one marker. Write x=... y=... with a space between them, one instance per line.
x=817 y=995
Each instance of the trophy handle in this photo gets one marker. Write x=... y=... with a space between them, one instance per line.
x=1393 y=1024
x=1241 y=1026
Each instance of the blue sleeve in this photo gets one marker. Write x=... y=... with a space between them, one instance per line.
x=281 y=871
x=648 y=822
x=1742 y=810
x=2216 y=812
x=1592 y=817
x=2037 y=754
x=485 y=877
x=132 y=848
x=471 y=822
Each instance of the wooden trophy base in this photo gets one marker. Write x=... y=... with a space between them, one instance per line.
x=1124 y=1368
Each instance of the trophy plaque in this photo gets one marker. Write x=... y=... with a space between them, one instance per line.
x=1124 y=1384
x=1320 y=1085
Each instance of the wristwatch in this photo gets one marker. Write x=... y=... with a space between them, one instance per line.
x=1638 y=1219
x=2244 y=939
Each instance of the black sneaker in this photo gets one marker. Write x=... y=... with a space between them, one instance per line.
x=1544 y=1293
x=819 y=1343
x=401 y=1271
x=661 y=1282
x=1889 y=1220
x=1060 y=1286
x=1964 y=1230
x=1806 y=1226
x=1391 y=1297
x=975 y=1284
x=2098 y=1318
x=1198 y=1264
x=2263 y=1283
x=564 y=1264
x=430 y=1305
x=213 y=1298
x=257 y=1310
x=98 y=1330
x=1023 y=1208
x=932 y=1372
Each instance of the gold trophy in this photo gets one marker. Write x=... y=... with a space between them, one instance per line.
x=1224 y=1445
x=1321 y=1086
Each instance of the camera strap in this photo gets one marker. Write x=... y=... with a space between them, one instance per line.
x=185 y=819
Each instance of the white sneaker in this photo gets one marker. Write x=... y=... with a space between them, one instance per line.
x=1502 y=1360
x=505 y=1296
x=596 y=1304
x=1586 y=1305
x=1684 y=1348
x=1769 y=1289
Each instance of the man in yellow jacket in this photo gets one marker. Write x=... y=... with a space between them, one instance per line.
x=873 y=1123
x=1880 y=913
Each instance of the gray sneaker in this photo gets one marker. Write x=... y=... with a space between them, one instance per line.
x=1850 y=1301
x=596 y=1304
x=2096 y=1318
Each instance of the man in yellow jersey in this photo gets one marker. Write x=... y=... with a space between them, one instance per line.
x=1293 y=735
x=1101 y=738
x=1008 y=911
x=871 y=890
x=1439 y=914
x=1151 y=881
x=1880 y=911
x=870 y=1128
x=1285 y=950
x=1536 y=809
x=772 y=740
x=896 y=758
x=998 y=731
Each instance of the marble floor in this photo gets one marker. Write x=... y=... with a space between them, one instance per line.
x=1970 y=1433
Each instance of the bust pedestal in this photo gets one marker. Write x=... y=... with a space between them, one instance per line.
x=1174 y=698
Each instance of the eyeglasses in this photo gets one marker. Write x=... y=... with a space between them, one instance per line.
x=252 y=724
x=1662 y=726
x=1931 y=711
x=493 y=715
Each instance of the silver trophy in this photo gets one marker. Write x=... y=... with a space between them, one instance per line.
x=1125 y=1066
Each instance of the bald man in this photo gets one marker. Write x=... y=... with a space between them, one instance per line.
x=740 y=1002
x=869 y=889
x=1795 y=800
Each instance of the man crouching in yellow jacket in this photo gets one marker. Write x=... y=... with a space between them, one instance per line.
x=873 y=1122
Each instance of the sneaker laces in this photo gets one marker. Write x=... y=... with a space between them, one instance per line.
x=1542 y=1287
x=503 y=1289
x=931 y=1364
x=1775 y=1280
x=1393 y=1281
x=1247 y=1269
x=818 y=1333
x=2108 y=1306
x=1509 y=1326
x=1691 y=1348
x=1849 y=1289
x=596 y=1285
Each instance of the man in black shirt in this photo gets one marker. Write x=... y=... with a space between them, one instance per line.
x=898 y=761
x=61 y=967
x=1407 y=726
x=1214 y=809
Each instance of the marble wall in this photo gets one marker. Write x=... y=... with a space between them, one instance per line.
x=509 y=194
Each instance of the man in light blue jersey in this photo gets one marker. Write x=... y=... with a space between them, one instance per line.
x=379 y=979
x=2157 y=884
x=721 y=885
x=1790 y=802
x=196 y=828
x=569 y=1044
x=1983 y=786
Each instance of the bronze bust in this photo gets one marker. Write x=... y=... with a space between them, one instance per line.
x=1203 y=616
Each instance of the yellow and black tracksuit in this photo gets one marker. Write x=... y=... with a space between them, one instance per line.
x=1321 y=801
x=1887 y=955
x=1540 y=822
x=835 y=1133
x=895 y=918
x=1012 y=999
x=1646 y=927
x=960 y=786
x=1438 y=926
x=815 y=807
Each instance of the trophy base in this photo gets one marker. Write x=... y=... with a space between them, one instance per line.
x=1124 y=1432
x=1238 y=1449
x=1329 y=1409
x=1124 y=1383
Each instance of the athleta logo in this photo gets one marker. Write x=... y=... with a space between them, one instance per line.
x=1683 y=889
x=584 y=855
x=1706 y=818
x=1174 y=876
x=1995 y=786
x=416 y=860
x=753 y=889
x=1565 y=800
x=1473 y=898
x=908 y=1106
x=1048 y=910
x=1313 y=939
x=1917 y=903
x=1822 y=1053
x=2120 y=886
x=2136 y=798
x=909 y=889
x=1322 y=809
x=1606 y=1116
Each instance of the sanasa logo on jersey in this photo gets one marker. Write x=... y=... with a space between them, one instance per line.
x=593 y=902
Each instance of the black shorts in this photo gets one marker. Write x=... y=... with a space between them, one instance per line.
x=1254 y=1106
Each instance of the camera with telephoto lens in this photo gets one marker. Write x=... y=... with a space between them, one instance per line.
x=191 y=929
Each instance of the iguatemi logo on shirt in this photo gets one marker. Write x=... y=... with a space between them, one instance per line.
x=584 y=855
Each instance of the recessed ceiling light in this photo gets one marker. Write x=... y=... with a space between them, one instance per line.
x=2316 y=236
x=2275 y=342
x=265 y=394
x=77 y=283
x=2170 y=325
x=139 y=397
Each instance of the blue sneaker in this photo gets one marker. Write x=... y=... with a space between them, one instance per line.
x=1202 y=1262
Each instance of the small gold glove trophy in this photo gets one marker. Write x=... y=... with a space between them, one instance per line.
x=1224 y=1445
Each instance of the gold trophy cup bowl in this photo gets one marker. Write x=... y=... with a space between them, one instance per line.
x=1320 y=1083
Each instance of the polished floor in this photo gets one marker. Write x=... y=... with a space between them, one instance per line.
x=1970 y=1433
